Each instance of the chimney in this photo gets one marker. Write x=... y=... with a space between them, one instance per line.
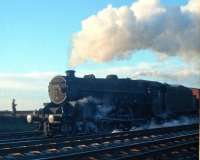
x=70 y=73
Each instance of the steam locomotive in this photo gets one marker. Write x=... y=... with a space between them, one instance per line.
x=99 y=105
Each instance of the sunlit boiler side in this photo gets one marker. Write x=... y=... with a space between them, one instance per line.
x=72 y=88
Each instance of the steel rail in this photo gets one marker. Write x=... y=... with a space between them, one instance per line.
x=16 y=140
x=59 y=142
x=58 y=145
x=18 y=133
x=155 y=152
x=35 y=140
x=102 y=150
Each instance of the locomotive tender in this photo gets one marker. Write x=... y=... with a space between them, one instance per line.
x=95 y=105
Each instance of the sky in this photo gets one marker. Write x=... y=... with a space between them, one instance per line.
x=38 y=41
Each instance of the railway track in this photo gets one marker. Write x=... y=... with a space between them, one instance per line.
x=61 y=147
x=13 y=136
x=132 y=150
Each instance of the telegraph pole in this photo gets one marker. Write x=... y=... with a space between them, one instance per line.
x=14 y=107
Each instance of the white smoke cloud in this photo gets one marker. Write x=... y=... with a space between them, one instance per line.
x=193 y=6
x=116 y=33
x=151 y=7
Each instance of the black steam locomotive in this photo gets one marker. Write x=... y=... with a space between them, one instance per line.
x=98 y=105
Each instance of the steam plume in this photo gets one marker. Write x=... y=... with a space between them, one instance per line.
x=115 y=33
